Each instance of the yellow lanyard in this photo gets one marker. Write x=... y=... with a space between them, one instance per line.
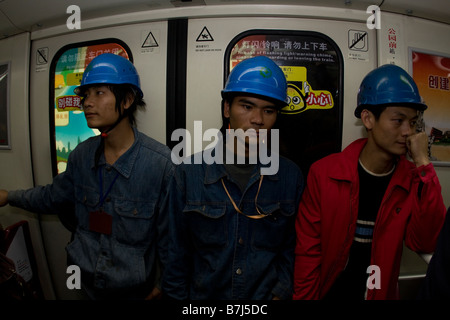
x=260 y=215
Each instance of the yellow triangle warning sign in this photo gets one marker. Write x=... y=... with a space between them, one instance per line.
x=205 y=35
x=150 y=41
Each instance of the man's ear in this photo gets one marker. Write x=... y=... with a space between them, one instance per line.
x=368 y=119
x=226 y=109
x=129 y=99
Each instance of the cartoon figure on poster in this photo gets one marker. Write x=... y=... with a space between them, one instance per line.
x=297 y=98
x=301 y=96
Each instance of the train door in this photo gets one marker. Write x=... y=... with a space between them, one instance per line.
x=57 y=124
x=15 y=154
x=324 y=62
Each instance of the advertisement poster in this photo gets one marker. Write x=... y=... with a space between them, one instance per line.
x=70 y=124
x=311 y=124
x=431 y=72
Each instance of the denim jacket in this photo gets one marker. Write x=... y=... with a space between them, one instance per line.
x=216 y=252
x=138 y=183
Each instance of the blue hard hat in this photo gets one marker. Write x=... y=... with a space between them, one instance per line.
x=109 y=68
x=258 y=75
x=388 y=85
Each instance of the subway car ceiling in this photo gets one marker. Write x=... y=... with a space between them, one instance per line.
x=40 y=15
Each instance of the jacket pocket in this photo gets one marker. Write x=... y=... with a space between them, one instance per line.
x=270 y=232
x=210 y=221
x=88 y=197
x=135 y=222
x=87 y=201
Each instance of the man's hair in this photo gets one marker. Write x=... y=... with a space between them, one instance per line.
x=121 y=93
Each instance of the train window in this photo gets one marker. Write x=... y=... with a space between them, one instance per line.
x=311 y=125
x=67 y=120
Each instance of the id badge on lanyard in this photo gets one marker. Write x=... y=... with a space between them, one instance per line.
x=99 y=220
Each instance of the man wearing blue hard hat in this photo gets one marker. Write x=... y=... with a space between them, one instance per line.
x=117 y=185
x=361 y=204
x=231 y=227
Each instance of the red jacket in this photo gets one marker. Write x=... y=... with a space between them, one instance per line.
x=327 y=216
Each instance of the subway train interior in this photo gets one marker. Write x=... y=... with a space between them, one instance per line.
x=183 y=51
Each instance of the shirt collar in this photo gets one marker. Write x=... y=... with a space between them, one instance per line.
x=215 y=171
x=343 y=169
x=123 y=165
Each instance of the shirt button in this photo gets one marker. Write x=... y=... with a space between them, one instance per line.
x=239 y=271
x=423 y=173
x=241 y=241
x=108 y=168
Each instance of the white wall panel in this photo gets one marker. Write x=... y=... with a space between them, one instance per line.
x=16 y=165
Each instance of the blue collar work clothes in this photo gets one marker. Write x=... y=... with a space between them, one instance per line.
x=138 y=183
x=412 y=213
x=217 y=253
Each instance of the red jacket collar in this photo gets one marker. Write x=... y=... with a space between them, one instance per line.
x=343 y=166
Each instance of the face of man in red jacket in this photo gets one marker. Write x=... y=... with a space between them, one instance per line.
x=390 y=132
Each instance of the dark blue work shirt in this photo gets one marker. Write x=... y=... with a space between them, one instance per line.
x=216 y=252
x=138 y=183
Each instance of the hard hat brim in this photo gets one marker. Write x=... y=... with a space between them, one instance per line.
x=79 y=91
x=258 y=94
x=414 y=105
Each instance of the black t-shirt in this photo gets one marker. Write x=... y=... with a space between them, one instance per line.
x=351 y=283
x=240 y=173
